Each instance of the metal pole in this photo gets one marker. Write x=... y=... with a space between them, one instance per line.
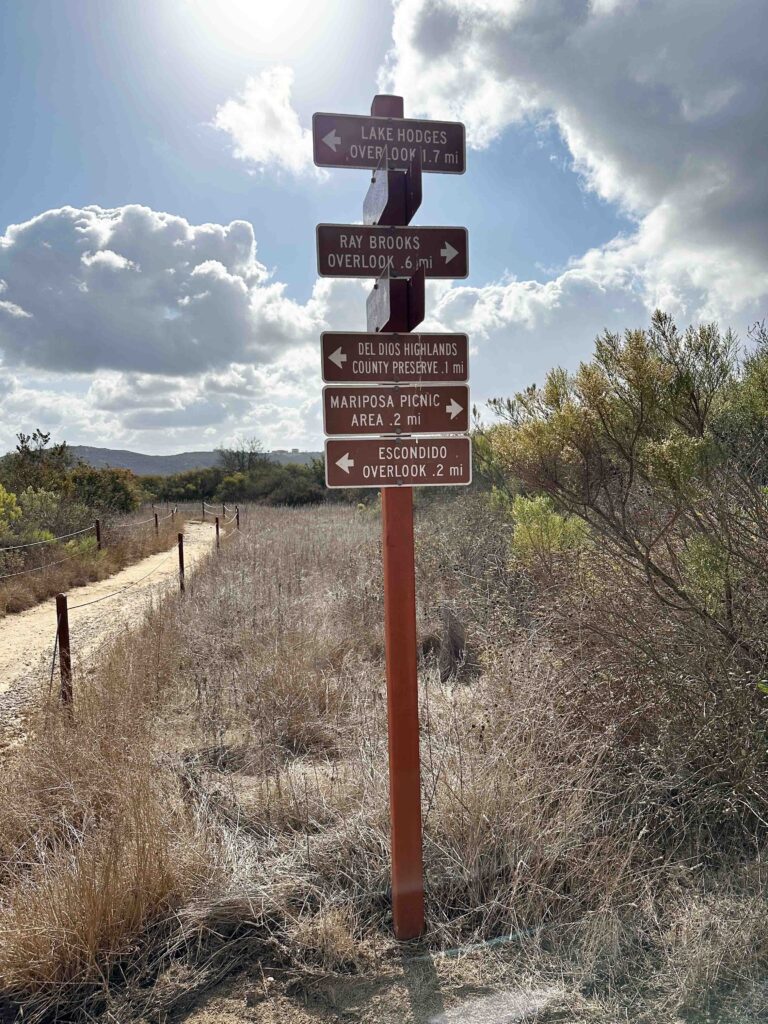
x=217 y=534
x=65 y=655
x=97 y=524
x=181 y=563
x=402 y=669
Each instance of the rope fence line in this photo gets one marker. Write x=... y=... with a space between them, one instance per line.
x=53 y=540
x=37 y=568
x=62 y=638
x=129 y=525
x=121 y=590
x=67 y=536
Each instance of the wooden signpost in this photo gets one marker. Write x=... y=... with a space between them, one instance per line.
x=410 y=394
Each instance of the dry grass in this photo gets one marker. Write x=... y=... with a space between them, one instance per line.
x=223 y=790
x=79 y=562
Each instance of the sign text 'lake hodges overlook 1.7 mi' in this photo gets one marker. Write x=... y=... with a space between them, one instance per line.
x=348 y=140
x=410 y=392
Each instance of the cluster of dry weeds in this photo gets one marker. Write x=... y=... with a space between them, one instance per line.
x=222 y=791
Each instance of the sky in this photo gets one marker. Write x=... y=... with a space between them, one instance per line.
x=158 y=200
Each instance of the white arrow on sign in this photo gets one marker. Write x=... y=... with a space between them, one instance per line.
x=338 y=357
x=345 y=462
x=454 y=408
x=332 y=140
x=448 y=252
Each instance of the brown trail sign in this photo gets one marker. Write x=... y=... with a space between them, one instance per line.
x=351 y=357
x=348 y=140
x=398 y=462
x=369 y=250
x=396 y=409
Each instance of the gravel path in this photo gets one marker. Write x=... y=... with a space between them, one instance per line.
x=26 y=639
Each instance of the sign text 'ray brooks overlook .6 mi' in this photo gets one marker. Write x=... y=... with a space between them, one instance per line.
x=410 y=392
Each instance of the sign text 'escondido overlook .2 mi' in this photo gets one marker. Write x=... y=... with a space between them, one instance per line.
x=350 y=357
x=382 y=462
x=349 y=140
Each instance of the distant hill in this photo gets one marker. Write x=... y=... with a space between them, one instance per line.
x=165 y=465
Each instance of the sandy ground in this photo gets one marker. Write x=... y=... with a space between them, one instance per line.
x=27 y=639
x=424 y=990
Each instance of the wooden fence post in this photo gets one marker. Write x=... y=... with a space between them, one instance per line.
x=218 y=542
x=157 y=524
x=97 y=524
x=181 y=563
x=65 y=654
x=237 y=516
x=203 y=506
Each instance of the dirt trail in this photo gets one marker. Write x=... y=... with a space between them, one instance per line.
x=26 y=639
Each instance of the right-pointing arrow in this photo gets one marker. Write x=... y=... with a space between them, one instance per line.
x=448 y=252
x=332 y=139
x=345 y=462
x=454 y=408
x=338 y=357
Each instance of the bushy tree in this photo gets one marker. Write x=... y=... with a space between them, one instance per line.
x=106 y=490
x=36 y=463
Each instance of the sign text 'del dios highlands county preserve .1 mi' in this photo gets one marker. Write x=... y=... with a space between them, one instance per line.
x=353 y=357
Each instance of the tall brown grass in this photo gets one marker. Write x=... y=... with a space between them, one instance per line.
x=223 y=790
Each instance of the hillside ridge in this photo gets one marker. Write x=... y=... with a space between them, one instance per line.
x=166 y=465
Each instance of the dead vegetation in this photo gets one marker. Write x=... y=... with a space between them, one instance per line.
x=222 y=791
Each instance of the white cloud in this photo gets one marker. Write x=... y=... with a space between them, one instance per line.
x=264 y=127
x=136 y=290
x=661 y=104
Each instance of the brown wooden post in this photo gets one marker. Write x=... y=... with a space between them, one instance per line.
x=157 y=524
x=181 y=563
x=401 y=653
x=65 y=654
x=223 y=510
x=202 y=503
x=218 y=542
x=97 y=524
x=237 y=516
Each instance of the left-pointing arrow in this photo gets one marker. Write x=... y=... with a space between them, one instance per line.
x=338 y=357
x=448 y=252
x=345 y=462
x=332 y=139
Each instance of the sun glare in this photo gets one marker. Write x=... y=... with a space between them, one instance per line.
x=264 y=28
